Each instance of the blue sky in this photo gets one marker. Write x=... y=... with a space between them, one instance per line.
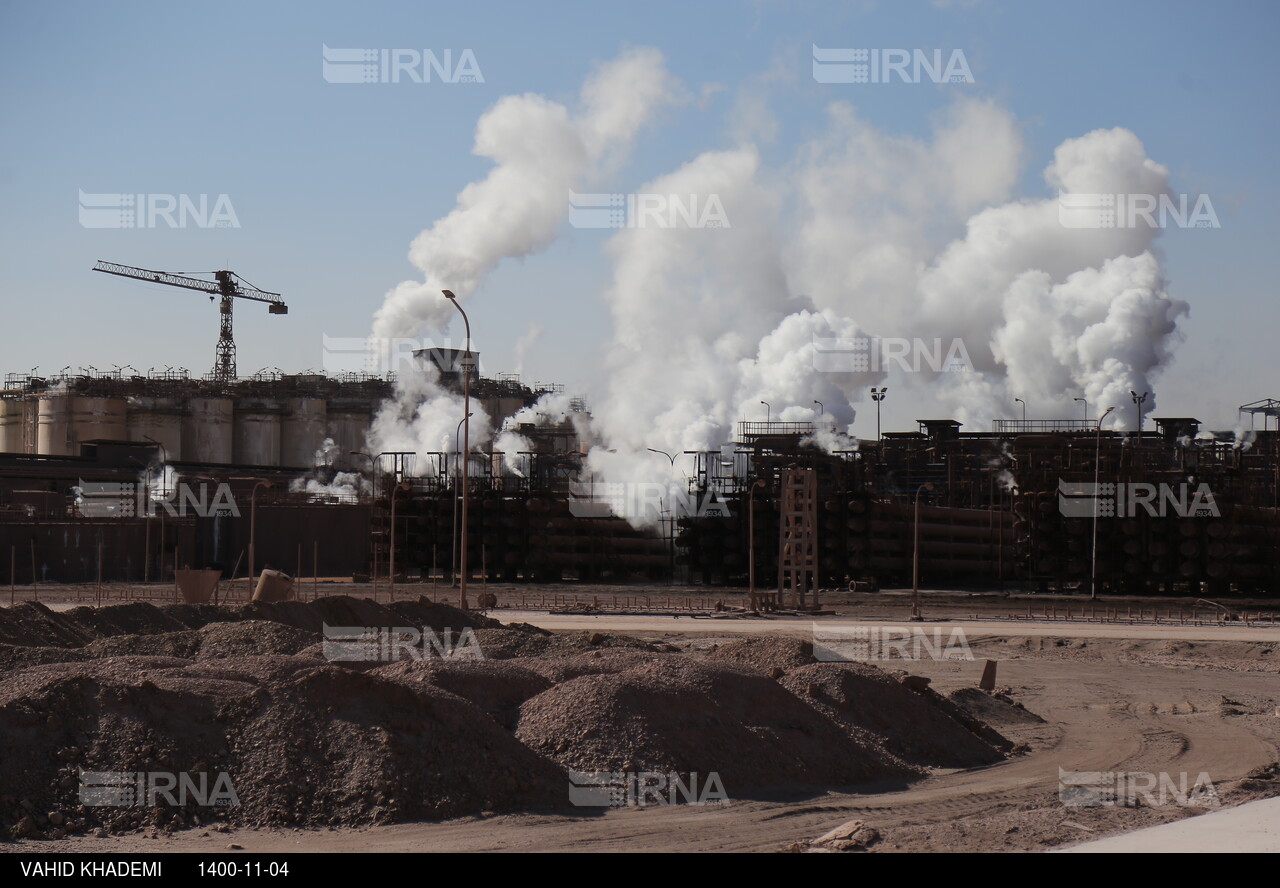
x=331 y=182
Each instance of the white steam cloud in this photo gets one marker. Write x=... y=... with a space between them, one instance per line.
x=860 y=233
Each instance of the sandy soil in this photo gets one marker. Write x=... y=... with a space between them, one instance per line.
x=1168 y=699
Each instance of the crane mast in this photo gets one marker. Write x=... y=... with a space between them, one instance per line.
x=227 y=285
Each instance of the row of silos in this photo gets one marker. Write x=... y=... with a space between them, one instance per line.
x=246 y=431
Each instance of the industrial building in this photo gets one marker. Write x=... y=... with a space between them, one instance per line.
x=990 y=509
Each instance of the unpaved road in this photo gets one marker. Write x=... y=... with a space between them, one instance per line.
x=1105 y=709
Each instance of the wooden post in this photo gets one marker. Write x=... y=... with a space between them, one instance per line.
x=315 y=574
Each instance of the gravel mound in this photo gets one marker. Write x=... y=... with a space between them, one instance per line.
x=509 y=643
x=498 y=687
x=250 y=638
x=765 y=654
x=184 y=644
x=34 y=624
x=302 y=743
x=920 y=727
x=688 y=717
x=20 y=656
x=600 y=662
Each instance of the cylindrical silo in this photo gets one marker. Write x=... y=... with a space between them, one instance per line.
x=10 y=426
x=158 y=420
x=348 y=424
x=302 y=431
x=207 y=431
x=97 y=419
x=256 y=439
x=53 y=426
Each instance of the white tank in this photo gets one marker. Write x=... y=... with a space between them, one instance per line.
x=10 y=426
x=302 y=431
x=97 y=419
x=256 y=438
x=207 y=431
x=159 y=420
x=53 y=426
x=348 y=426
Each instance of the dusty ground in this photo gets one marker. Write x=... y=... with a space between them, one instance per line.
x=1184 y=699
x=1171 y=696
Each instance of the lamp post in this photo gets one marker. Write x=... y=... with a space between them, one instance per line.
x=915 y=557
x=751 y=542
x=1024 y=408
x=1097 y=465
x=671 y=527
x=164 y=495
x=253 y=525
x=1138 y=399
x=1086 y=407
x=768 y=411
x=821 y=411
x=877 y=395
x=403 y=485
x=466 y=444
x=453 y=560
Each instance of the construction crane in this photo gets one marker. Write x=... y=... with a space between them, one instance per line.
x=226 y=284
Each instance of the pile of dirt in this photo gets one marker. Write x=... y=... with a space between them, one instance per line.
x=520 y=640
x=997 y=710
x=184 y=644
x=215 y=640
x=498 y=687
x=16 y=656
x=920 y=727
x=765 y=654
x=300 y=742
x=557 y=669
x=676 y=714
x=34 y=624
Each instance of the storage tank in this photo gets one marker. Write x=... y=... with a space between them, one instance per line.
x=256 y=435
x=53 y=425
x=207 y=430
x=97 y=419
x=347 y=425
x=302 y=431
x=10 y=426
x=159 y=420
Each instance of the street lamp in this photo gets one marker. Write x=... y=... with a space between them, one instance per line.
x=821 y=411
x=164 y=495
x=751 y=542
x=253 y=525
x=671 y=527
x=1024 y=408
x=877 y=395
x=453 y=563
x=1097 y=458
x=1138 y=399
x=466 y=443
x=915 y=558
x=403 y=485
x=768 y=411
x=1086 y=407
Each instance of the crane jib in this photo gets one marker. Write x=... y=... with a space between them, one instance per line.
x=226 y=284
